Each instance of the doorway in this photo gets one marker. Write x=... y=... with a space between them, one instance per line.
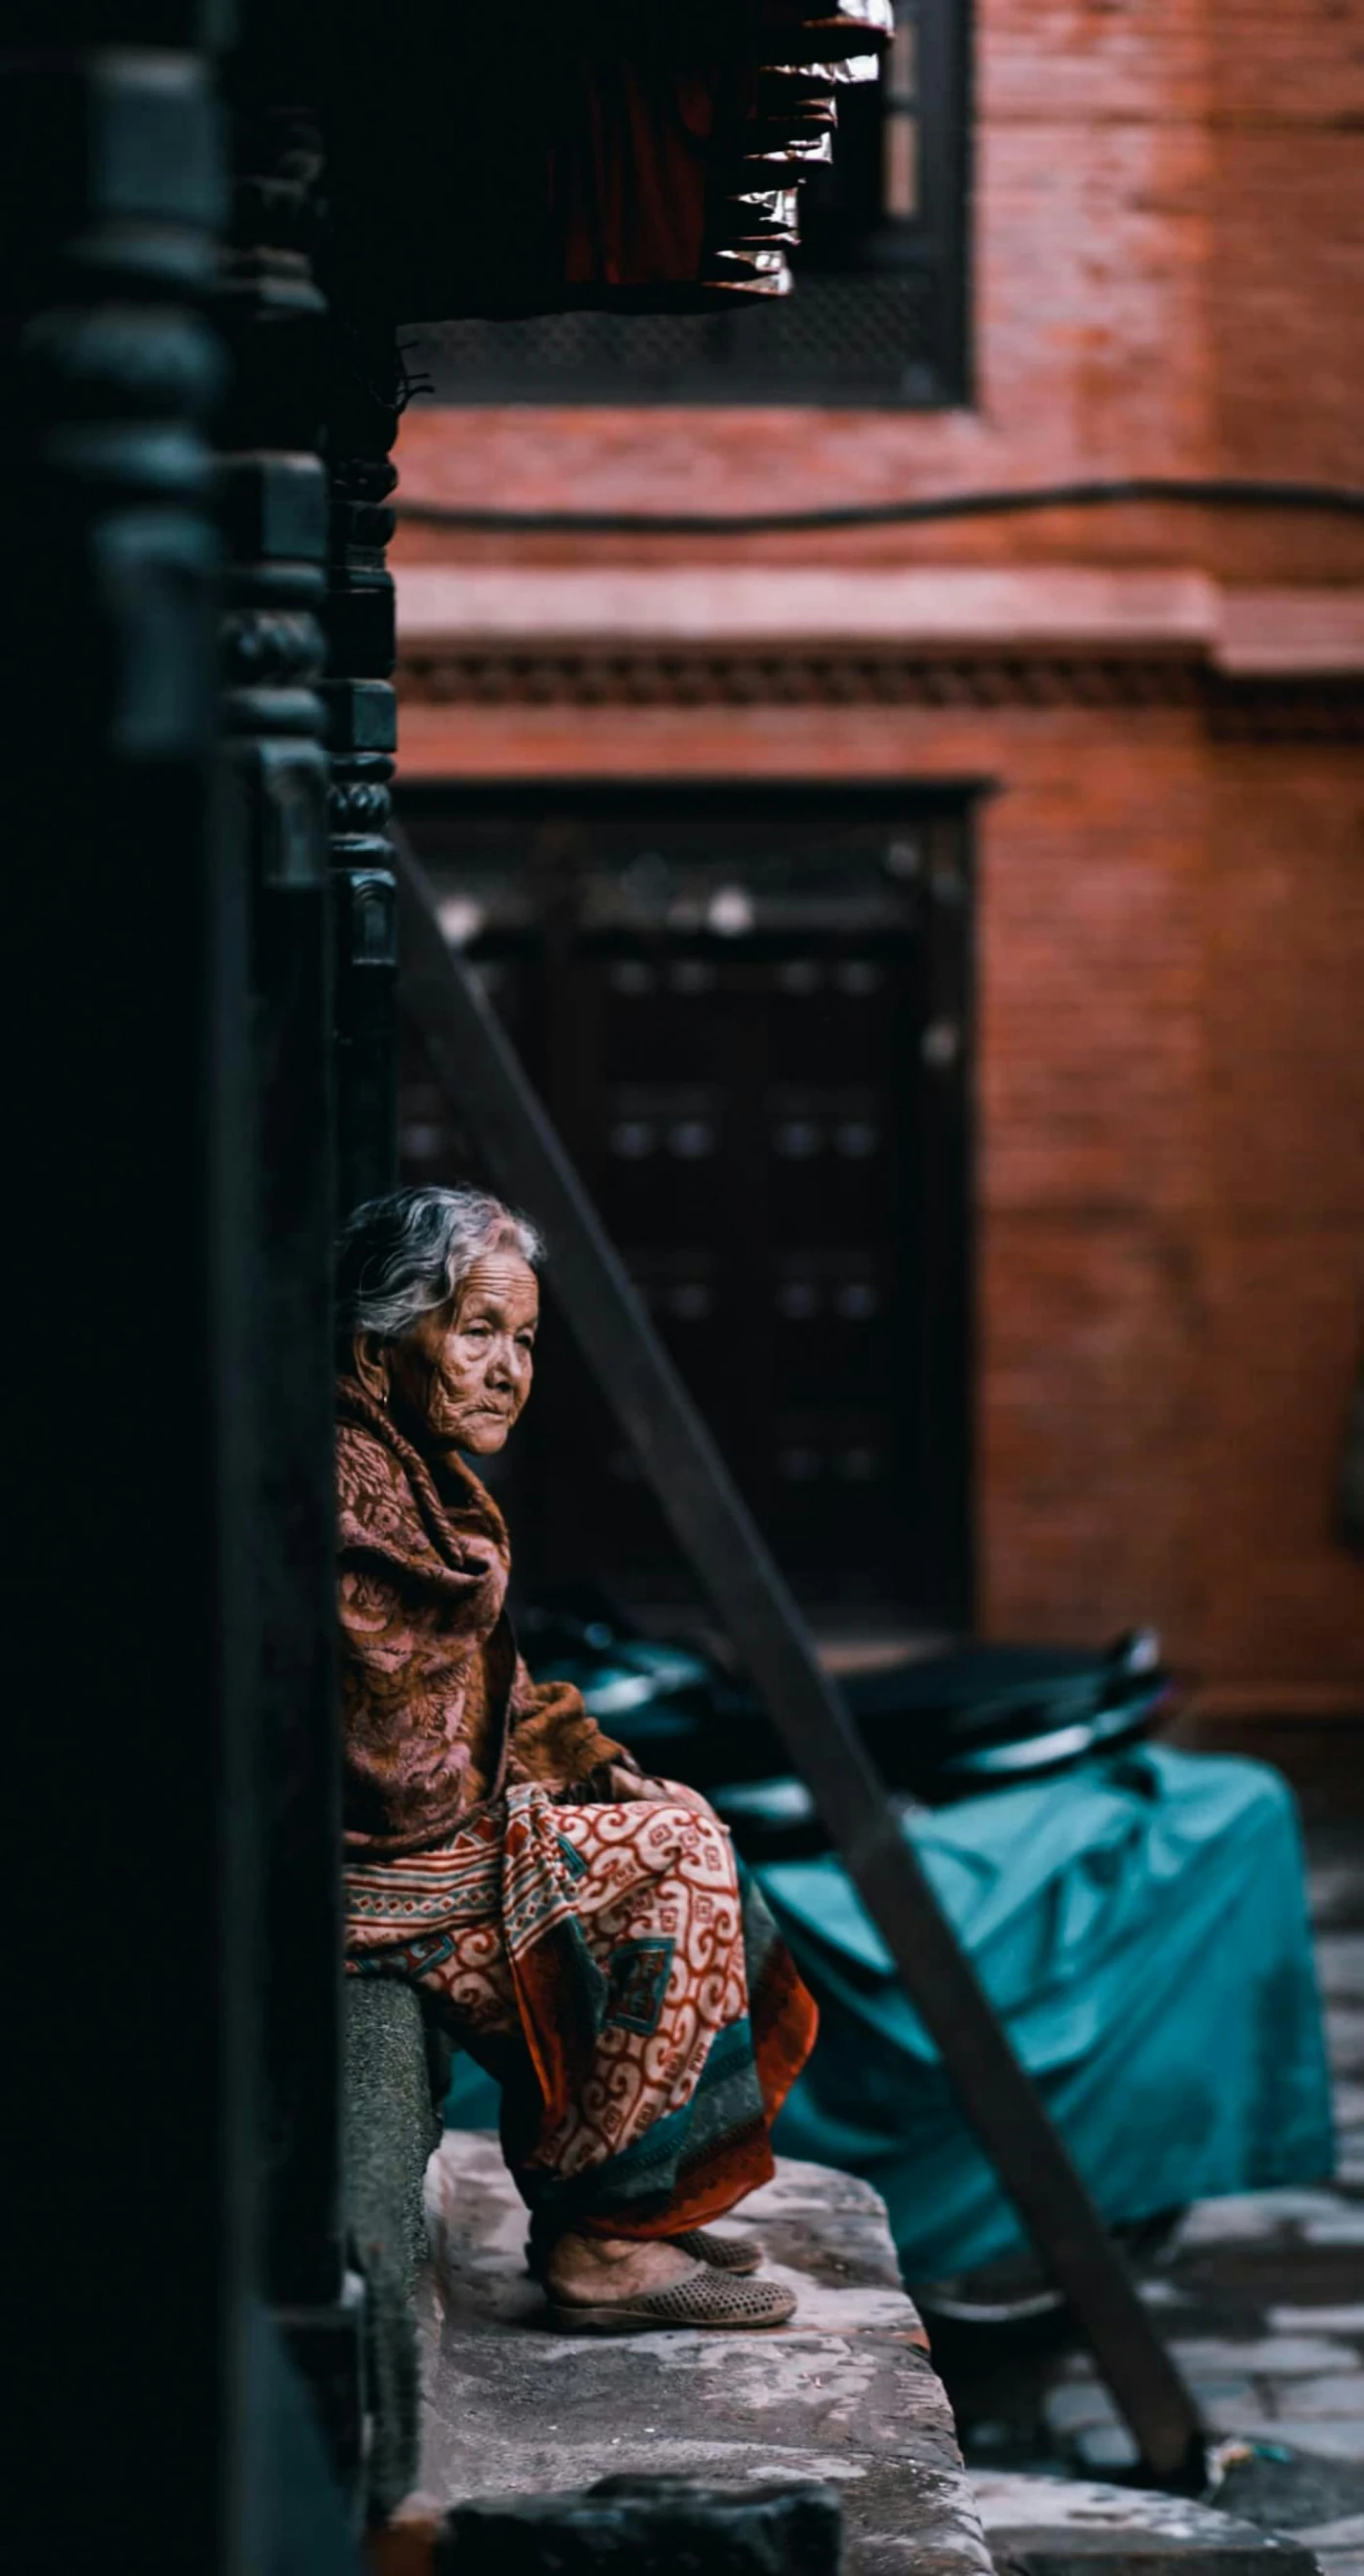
x=750 y=1016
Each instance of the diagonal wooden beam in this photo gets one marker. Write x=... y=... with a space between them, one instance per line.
x=524 y=1157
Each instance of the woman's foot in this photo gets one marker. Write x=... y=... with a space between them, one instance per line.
x=588 y=2269
x=616 y=2285
x=704 y=2244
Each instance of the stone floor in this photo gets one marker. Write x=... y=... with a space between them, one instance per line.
x=1263 y=2300
x=846 y=2394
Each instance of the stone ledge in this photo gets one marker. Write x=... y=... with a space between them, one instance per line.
x=846 y=2392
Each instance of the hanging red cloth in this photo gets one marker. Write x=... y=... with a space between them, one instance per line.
x=541 y=160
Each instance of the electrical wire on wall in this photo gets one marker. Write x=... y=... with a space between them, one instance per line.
x=1342 y=500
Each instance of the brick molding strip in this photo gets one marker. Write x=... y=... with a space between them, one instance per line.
x=1278 y=661
x=1326 y=706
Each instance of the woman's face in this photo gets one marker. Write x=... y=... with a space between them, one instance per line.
x=459 y=1380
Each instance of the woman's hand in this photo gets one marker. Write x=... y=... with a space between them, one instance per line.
x=632 y=1786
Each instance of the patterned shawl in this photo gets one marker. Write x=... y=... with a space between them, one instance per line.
x=440 y=1713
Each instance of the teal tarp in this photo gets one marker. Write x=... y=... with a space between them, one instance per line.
x=1142 y=1928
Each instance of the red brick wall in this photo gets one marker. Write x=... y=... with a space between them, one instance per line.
x=1283 y=1222
x=1171 y=1078
x=1168 y=213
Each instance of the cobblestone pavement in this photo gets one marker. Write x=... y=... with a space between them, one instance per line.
x=1262 y=2298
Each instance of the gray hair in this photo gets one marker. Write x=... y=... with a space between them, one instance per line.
x=402 y=1257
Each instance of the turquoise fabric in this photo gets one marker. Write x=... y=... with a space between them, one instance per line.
x=1142 y=1928
x=474 y=2099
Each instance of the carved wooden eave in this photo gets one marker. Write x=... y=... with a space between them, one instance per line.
x=589 y=158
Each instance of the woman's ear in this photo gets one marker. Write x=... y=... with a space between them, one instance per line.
x=369 y=1359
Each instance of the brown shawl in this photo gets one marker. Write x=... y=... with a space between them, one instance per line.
x=438 y=1708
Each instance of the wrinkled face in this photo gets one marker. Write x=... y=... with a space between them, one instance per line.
x=460 y=1379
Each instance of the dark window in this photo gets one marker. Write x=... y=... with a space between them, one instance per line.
x=749 y=1015
x=878 y=312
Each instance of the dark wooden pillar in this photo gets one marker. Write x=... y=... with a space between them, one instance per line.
x=128 y=2044
x=363 y=411
x=274 y=490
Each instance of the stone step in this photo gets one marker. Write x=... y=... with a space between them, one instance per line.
x=846 y=2393
x=1044 y=2526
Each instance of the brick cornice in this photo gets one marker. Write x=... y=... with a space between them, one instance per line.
x=1261 y=661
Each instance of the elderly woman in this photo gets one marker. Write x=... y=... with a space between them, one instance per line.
x=580 y=1927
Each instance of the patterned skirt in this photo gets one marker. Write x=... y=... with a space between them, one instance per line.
x=624 y=1980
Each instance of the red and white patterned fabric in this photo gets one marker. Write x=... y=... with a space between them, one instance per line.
x=601 y=1952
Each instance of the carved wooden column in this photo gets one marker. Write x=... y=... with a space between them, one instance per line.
x=363 y=410
x=128 y=2044
x=275 y=512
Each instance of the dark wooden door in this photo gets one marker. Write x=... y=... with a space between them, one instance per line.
x=750 y=1020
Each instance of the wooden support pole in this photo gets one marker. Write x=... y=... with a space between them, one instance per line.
x=129 y=2043
x=525 y=1160
x=273 y=485
x=362 y=710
